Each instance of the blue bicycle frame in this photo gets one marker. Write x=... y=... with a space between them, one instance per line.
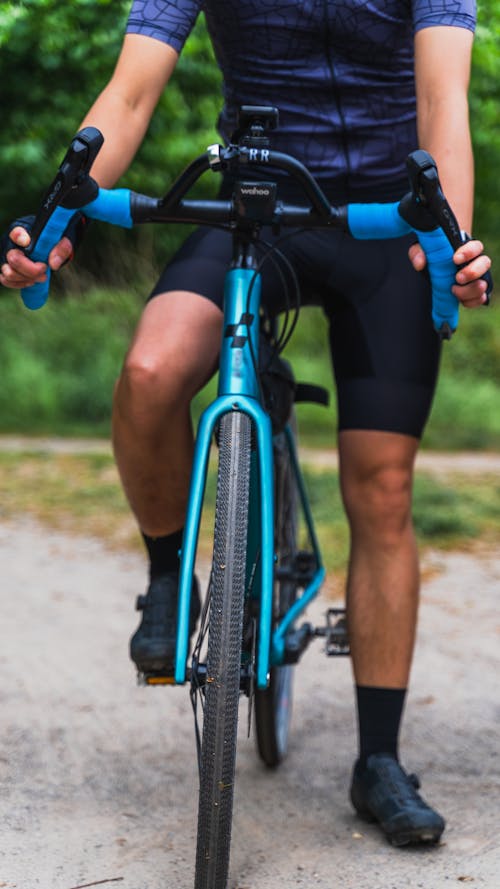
x=238 y=389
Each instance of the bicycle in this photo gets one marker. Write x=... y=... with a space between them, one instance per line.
x=261 y=582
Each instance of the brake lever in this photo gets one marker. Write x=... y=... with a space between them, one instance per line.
x=427 y=194
x=426 y=188
x=72 y=185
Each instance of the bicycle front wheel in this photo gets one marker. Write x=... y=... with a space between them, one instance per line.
x=225 y=622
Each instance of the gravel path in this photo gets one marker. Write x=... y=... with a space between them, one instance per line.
x=98 y=776
x=439 y=462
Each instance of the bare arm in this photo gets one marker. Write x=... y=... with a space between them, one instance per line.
x=122 y=112
x=124 y=108
x=442 y=71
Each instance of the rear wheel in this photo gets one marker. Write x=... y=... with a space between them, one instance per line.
x=222 y=685
x=273 y=705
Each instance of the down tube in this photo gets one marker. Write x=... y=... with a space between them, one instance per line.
x=262 y=425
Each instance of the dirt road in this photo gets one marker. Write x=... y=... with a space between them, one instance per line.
x=98 y=777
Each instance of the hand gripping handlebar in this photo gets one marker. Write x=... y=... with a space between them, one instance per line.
x=72 y=185
x=423 y=211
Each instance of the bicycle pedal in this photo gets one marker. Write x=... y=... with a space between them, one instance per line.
x=296 y=643
x=335 y=633
x=155 y=679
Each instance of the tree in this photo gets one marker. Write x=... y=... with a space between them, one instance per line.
x=485 y=121
x=55 y=60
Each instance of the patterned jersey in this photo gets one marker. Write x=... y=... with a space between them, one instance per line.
x=340 y=72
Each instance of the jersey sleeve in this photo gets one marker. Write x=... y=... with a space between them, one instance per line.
x=457 y=13
x=170 y=21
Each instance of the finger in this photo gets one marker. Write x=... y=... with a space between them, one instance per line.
x=471 y=295
x=61 y=253
x=474 y=270
x=468 y=251
x=24 y=266
x=417 y=257
x=13 y=278
x=6 y=278
x=20 y=236
x=10 y=278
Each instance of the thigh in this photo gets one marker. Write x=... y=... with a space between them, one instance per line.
x=176 y=343
x=384 y=348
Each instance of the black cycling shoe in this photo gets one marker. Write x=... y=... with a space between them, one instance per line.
x=382 y=791
x=152 y=647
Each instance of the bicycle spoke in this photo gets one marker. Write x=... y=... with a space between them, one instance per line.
x=197 y=691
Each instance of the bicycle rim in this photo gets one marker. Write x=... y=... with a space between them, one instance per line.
x=273 y=705
x=222 y=687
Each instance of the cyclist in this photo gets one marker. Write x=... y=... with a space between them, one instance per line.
x=358 y=87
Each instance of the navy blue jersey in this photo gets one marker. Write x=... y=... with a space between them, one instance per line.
x=341 y=74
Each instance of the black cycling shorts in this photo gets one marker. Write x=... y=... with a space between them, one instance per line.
x=384 y=349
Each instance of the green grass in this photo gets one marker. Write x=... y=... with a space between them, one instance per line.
x=455 y=513
x=59 y=363
x=59 y=366
x=80 y=494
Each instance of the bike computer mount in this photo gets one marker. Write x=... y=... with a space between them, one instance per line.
x=254 y=124
x=254 y=201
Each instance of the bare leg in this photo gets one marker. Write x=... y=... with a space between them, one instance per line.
x=173 y=354
x=383 y=579
x=382 y=600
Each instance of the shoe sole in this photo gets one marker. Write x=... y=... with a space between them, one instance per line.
x=419 y=836
x=152 y=661
x=159 y=663
x=156 y=667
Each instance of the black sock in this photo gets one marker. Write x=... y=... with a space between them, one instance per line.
x=163 y=553
x=379 y=717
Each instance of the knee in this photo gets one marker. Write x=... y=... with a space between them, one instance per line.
x=378 y=502
x=163 y=382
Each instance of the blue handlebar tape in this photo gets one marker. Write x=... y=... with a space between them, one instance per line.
x=109 y=206
x=367 y=221
x=442 y=271
x=35 y=297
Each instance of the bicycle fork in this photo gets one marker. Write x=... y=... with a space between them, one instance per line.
x=238 y=390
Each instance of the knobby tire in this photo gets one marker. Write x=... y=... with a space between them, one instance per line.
x=222 y=688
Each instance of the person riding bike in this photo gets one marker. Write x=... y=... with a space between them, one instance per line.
x=358 y=87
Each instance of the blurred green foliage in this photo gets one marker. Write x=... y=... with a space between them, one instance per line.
x=60 y=363
x=485 y=122
x=54 y=60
